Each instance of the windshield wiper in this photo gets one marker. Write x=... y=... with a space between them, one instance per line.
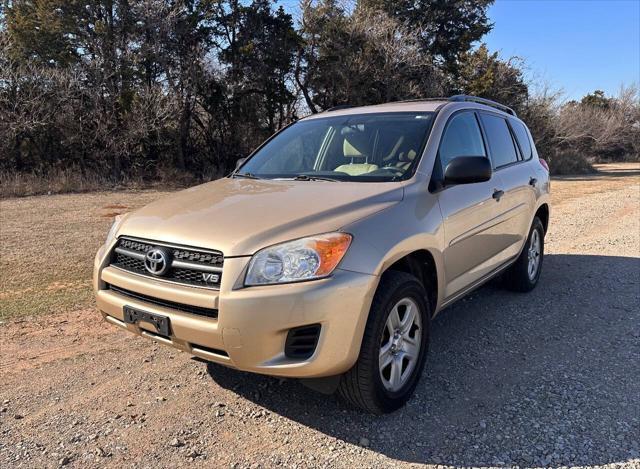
x=244 y=175
x=306 y=177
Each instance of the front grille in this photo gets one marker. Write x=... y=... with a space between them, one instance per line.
x=187 y=276
x=198 y=310
x=189 y=266
x=301 y=342
x=214 y=258
x=128 y=263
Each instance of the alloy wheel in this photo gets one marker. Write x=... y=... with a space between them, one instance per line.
x=534 y=255
x=400 y=344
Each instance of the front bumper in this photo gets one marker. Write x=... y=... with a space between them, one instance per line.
x=252 y=324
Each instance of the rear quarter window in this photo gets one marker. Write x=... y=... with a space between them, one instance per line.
x=523 y=139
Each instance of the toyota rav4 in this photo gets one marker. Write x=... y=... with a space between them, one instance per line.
x=328 y=251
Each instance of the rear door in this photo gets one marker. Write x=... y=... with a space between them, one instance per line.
x=473 y=237
x=510 y=165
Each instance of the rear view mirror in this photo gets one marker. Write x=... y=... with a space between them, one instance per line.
x=467 y=170
x=239 y=162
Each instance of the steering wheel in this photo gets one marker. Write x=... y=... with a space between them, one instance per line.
x=398 y=171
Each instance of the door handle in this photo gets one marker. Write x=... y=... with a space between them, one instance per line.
x=533 y=181
x=497 y=193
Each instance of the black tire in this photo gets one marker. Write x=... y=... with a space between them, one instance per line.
x=517 y=277
x=362 y=385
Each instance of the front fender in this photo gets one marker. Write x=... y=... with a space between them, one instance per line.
x=415 y=224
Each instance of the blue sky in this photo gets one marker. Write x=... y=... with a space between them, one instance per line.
x=575 y=45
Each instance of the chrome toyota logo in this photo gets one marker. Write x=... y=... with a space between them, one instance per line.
x=157 y=261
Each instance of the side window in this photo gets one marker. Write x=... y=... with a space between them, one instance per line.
x=523 y=139
x=461 y=137
x=503 y=151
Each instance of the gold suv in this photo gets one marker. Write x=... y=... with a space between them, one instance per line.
x=328 y=251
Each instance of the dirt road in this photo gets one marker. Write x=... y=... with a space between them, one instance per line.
x=544 y=379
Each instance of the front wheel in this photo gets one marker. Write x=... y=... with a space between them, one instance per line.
x=524 y=274
x=394 y=347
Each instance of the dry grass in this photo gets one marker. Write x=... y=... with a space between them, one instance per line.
x=47 y=246
x=47 y=243
x=22 y=185
x=71 y=181
x=568 y=163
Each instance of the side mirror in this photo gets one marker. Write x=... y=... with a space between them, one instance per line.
x=467 y=170
x=239 y=162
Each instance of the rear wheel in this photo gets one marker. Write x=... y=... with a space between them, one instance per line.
x=393 y=348
x=524 y=274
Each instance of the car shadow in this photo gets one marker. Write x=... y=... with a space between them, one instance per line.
x=545 y=378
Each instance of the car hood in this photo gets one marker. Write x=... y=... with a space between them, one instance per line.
x=241 y=216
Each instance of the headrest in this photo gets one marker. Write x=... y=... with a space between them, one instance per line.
x=407 y=156
x=356 y=143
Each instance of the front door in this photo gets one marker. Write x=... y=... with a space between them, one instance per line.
x=471 y=212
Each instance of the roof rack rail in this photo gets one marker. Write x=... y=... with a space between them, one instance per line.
x=417 y=100
x=486 y=102
x=455 y=98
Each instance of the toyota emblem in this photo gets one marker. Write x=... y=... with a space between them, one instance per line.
x=157 y=261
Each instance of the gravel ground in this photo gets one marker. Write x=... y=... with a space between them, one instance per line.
x=548 y=378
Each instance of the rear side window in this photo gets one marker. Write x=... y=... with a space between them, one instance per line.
x=503 y=151
x=523 y=138
x=462 y=137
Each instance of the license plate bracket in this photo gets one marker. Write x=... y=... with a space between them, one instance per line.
x=134 y=316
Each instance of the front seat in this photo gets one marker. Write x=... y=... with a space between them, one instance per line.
x=357 y=147
x=405 y=159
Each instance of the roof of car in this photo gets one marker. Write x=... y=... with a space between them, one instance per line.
x=417 y=105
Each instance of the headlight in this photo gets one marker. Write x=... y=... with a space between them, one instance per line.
x=301 y=259
x=114 y=229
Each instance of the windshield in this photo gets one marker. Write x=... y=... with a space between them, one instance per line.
x=365 y=147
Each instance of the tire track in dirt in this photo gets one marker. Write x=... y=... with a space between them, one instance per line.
x=29 y=344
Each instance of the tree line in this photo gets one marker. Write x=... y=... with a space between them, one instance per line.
x=165 y=89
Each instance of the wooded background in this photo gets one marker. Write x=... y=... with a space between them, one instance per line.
x=122 y=91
